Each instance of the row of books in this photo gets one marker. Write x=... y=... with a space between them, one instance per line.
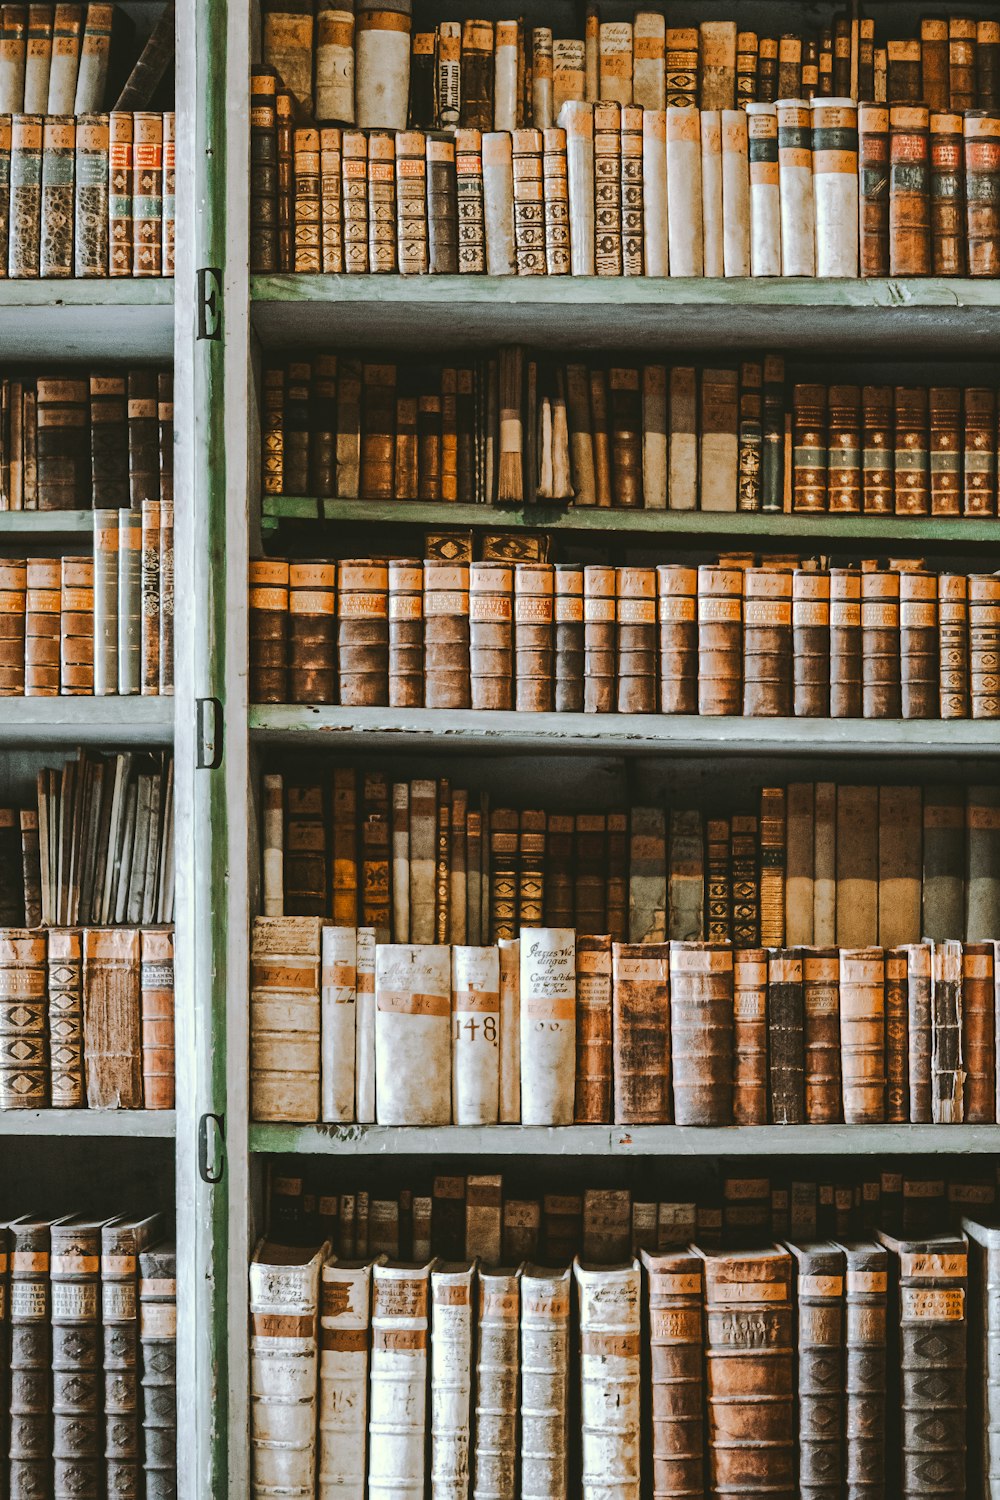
x=69 y=441
x=87 y=1018
x=92 y=196
x=88 y=1332
x=363 y=65
x=731 y=638
x=426 y=861
x=70 y=59
x=99 y=625
x=518 y=427
x=96 y=848
x=556 y=1028
x=787 y=189
x=504 y=1219
x=783 y=1370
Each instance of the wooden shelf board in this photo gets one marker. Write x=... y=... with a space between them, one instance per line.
x=934 y=315
x=158 y=1124
x=124 y=318
x=622 y=1140
x=45 y=523
x=112 y=723
x=620 y=734
x=277 y=509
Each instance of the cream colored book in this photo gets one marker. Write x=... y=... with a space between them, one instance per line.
x=412 y=1029
x=719 y=442
x=735 y=193
x=542 y=103
x=835 y=186
x=795 y=183
x=609 y=1313
x=615 y=61
x=496 y=1385
x=654 y=437
x=364 y=1050
x=509 y=952
x=338 y=1022
x=475 y=1035
x=423 y=846
x=382 y=67
x=498 y=203
x=273 y=857
x=648 y=60
x=683 y=447
x=711 y=192
x=717 y=44
x=452 y=1290
x=401 y=861
x=345 y=1336
x=799 y=864
x=285 y=1019
x=548 y=1025
x=545 y=1312
x=656 y=240
x=505 y=79
x=284 y=1311
x=900 y=845
x=568 y=72
x=684 y=212
x=825 y=865
x=335 y=61
x=397 y=1424
x=577 y=120
x=857 y=866
x=765 y=195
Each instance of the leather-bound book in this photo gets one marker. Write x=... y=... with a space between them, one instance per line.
x=873 y=169
x=718 y=881
x=377 y=435
x=56 y=219
x=569 y=638
x=469 y=185
x=284 y=110
x=354 y=196
x=865 y=1286
x=979 y=458
x=786 y=1036
x=809 y=447
x=767 y=642
x=158 y=1340
x=491 y=635
x=881 y=693
x=636 y=644
x=747 y=52
x=835 y=185
x=918 y=645
x=821 y=1008
x=531 y=875
x=157 y=1017
x=920 y=989
x=143 y=438
x=984 y=645
x=903 y=72
x=111 y=1018
x=76 y=645
x=534 y=645
x=559 y=870
x=934 y=90
x=677 y=592
x=945 y=412
x=982 y=177
x=375 y=839
x=862 y=1031
x=647 y=883
x=749 y=1372
x=121 y=1242
x=13 y=599
x=121 y=189
x=593 y=1037
x=304 y=855
x=845 y=643
x=979 y=1032
x=961 y=62
x=446 y=635
x=139 y=599
x=363 y=632
x=810 y=643
x=947 y=195
x=30 y=1430
x=844 y=450
x=556 y=202
x=109 y=441
x=65 y=1017
x=312 y=646
x=599 y=612
x=685 y=907
x=442 y=205
x=820 y=1331
x=64 y=475
x=41 y=627
x=750 y=435
x=607 y=188
x=877 y=438
x=953 y=645
x=148 y=203
x=503 y=873
x=24 y=1060
x=909 y=191
x=674 y=1300
x=381 y=203
x=681 y=65
x=330 y=198
x=927 y=1303
x=719 y=443
x=912 y=488
x=745 y=879
x=263 y=171
x=625 y=417
x=750 y=1089
x=641 y=1032
x=25 y=196
x=720 y=634
x=77 y=1428
x=772 y=866
x=497 y=1369
x=988 y=64
x=268 y=604
x=701 y=1032
x=298 y=403
x=897 y=1058
x=406 y=632
x=632 y=191
x=947 y=1071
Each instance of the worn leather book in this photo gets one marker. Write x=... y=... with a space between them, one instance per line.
x=897 y=1069
x=77 y=1429
x=13 y=601
x=24 y=243
x=363 y=632
x=24 y=1054
x=636 y=640
x=268 y=606
x=534 y=644
x=821 y=1004
x=284 y=1318
x=749 y=1372
x=979 y=1032
x=647 y=885
x=41 y=627
x=30 y=1388
x=983 y=1457
x=599 y=614
x=750 y=1037
x=809 y=447
x=909 y=191
x=607 y=147
x=111 y=1018
x=810 y=643
x=918 y=645
x=446 y=635
x=820 y=1350
x=497 y=1366
x=65 y=1018
x=263 y=171
x=919 y=987
x=981 y=130
x=862 y=1028
x=399 y=1368
x=946 y=191
x=641 y=1033
x=594 y=1030
x=719 y=640
x=674 y=1300
x=157 y=1017
x=984 y=646
x=928 y=1305
x=947 y=1062
x=677 y=638
x=285 y=1018
x=873 y=169
x=881 y=693
x=56 y=217
x=865 y=1282
x=786 y=1036
x=767 y=642
x=701 y=1032
x=442 y=205
x=122 y=1241
x=568 y=686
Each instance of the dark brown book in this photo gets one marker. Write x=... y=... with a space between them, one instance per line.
x=979 y=1032
x=111 y=1017
x=820 y=1332
x=284 y=114
x=406 y=632
x=30 y=1430
x=143 y=438
x=599 y=612
x=77 y=1405
x=24 y=1058
x=865 y=1282
x=448 y=1217
x=593 y=1030
x=701 y=1032
x=65 y=1018
x=984 y=645
x=569 y=638
x=953 y=645
x=786 y=1038
x=767 y=642
x=810 y=643
x=363 y=632
x=881 y=694
x=945 y=450
x=312 y=632
x=109 y=441
x=844 y=449
x=268 y=608
x=477 y=75
x=918 y=645
x=897 y=1070
x=64 y=474
x=873 y=170
x=674 y=1307
x=720 y=640
x=305 y=852
x=158 y=1051
x=151 y=65
x=947 y=1072
x=158 y=1342
x=809 y=448
x=442 y=205
x=625 y=418
x=446 y=635
x=961 y=62
x=912 y=484
x=749 y=1352
x=677 y=608
x=927 y=1304
x=947 y=195
x=909 y=191
x=122 y=1240
x=534 y=642
x=821 y=1009
x=491 y=634
x=982 y=181
x=718 y=881
x=641 y=1033
x=919 y=985
x=750 y=1087
x=376 y=893
x=636 y=640
x=877 y=479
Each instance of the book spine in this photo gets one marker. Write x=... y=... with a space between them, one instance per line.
x=331 y=168
x=148 y=653
x=534 y=639
x=544 y=1407
x=24 y=244
x=909 y=191
x=42 y=629
x=844 y=455
x=76 y=650
x=285 y=1018
x=947 y=1070
x=354 y=198
x=498 y=203
x=641 y=1033
x=609 y=1312
x=795 y=181
x=510 y=1030
x=56 y=218
x=382 y=217
x=157 y=984
x=873 y=169
x=338 y=1022
x=607 y=189
x=76 y=1359
x=344 y=1343
x=497 y=1367
x=65 y=1018
x=547 y=1025
x=767 y=642
x=121 y=180
x=599 y=609
x=809 y=448
x=677 y=638
x=984 y=641
x=701 y=1032
x=451 y=1378
x=568 y=667
x=636 y=654
x=148 y=206
x=865 y=1371
x=24 y=1053
x=593 y=1040
x=897 y=1061
x=881 y=689
x=820 y=1328
x=765 y=193
x=845 y=644
x=398 y=1391
x=13 y=601
x=918 y=646
x=786 y=1036
x=30 y=1430
x=471 y=203
x=674 y=1307
x=946 y=193
x=654 y=174
x=862 y=1032
x=750 y=1088
x=412 y=1048
x=363 y=633
x=577 y=119
x=556 y=201
x=981 y=132
x=381 y=64
x=821 y=1007
x=979 y=1032
x=442 y=205
x=835 y=186
x=712 y=212
x=446 y=635
x=810 y=644
x=284 y=1307
x=475 y=1035
x=720 y=635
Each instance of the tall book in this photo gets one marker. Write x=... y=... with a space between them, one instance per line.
x=820 y=1326
x=112 y=1017
x=452 y=1289
x=412 y=1034
x=545 y=1356
x=674 y=1308
x=701 y=1032
x=865 y=1291
x=77 y=1428
x=158 y=1343
x=30 y=1389
x=497 y=1366
x=344 y=1340
x=641 y=1033
x=397 y=1428
x=547 y=1025
x=122 y=1242
x=284 y=1316
x=609 y=1312
x=285 y=1018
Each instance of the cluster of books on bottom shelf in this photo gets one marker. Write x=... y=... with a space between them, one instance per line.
x=560 y=1029
x=87 y=1018
x=822 y=863
x=88 y=1330
x=97 y=846
x=787 y=1369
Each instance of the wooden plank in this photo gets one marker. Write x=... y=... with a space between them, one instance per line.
x=110 y=722
x=71 y=320
x=137 y=1124
x=45 y=523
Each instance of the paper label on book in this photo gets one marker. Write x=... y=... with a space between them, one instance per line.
x=552 y=1306
x=76 y=1301
x=28 y=1300
x=918 y=1304
x=675 y=1324
x=749 y=1291
x=118 y=1301
x=674 y=1283
x=867 y=1281
x=499 y=1305
x=413 y=1004
x=915 y=1189
x=821 y=1286
x=158 y=1320
x=451 y=1294
x=924 y=1264
x=24 y=1261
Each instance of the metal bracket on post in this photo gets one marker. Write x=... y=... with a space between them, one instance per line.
x=210 y=303
x=209 y=734
x=211 y=1171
